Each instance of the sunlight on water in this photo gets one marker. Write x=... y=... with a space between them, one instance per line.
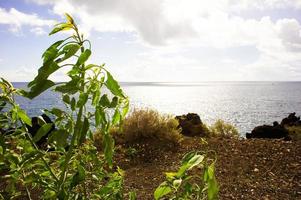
x=244 y=104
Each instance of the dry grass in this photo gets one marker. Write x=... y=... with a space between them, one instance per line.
x=145 y=125
x=222 y=129
x=294 y=132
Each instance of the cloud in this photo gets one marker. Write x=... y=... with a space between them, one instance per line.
x=16 y=19
x=188 y=24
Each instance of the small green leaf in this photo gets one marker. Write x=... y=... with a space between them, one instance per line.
x=69 y=18
x=116 y=117
x=113 y=86
x=69 y=51
x=104 y=101
x=96 y=97
x=83 y=97
x=73 y=104
x=83 y=57
x=108 y=143
x=162 y=190
x=66 y=99
x=23 y=116
x=78 y=177
x=84 y=131
x=61 y=27
x=57 y=112
x=42 y=132
x=114 y=102
x=60 y=137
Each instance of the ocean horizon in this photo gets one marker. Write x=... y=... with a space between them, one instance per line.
x=245 y=104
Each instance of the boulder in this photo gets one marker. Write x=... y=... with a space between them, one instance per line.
x=291 y=120
x=267 y=131
x=191 y=125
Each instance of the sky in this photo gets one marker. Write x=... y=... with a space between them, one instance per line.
x=161 y=40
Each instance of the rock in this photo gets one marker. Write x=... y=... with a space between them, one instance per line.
x=191 y=125
x=291 y=120
x=267 y=131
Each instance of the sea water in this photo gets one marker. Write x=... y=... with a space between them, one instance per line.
x=243 y=104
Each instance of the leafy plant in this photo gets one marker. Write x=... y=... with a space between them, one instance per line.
x=73 y=166
x=223 y=129
x=182 y=185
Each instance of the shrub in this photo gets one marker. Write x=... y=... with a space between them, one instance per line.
x=222 y=129
x=294 y=132
x=144 y=124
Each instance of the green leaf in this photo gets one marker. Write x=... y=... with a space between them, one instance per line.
x=78 y=177
x=113 y=86
x=104 y=101
x=162 y=190
x=108 y=143
x=37 y=89
x=52 y=52
x=125 y=109
x=96 y=97
x=114 y=102
x=100 y=116
x=83 y=57
x=70 y=87
x=66 y=99
x=57 y=112
x=43 y=130
x=132 y=196
x=212 y=186
x=69 y=18
x=61 y=27
x=59 y=137
x=44 y=72
x=116 y=117
x=69 y=51
x=23 y=116
x=73 y=104
x=84 y=131
x=83 y=98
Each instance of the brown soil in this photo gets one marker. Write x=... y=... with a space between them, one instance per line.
x=245 y=169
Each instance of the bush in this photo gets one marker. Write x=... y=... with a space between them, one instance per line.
x=222 y=129
x=144 y=124
x=294 y=132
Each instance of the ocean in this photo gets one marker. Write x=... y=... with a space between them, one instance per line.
x=243 y=104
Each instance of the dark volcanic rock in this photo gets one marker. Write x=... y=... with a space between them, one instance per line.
x=291 y=120
x=191 y=125
x=267 y=131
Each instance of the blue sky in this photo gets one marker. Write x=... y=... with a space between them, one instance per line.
x=161 y=40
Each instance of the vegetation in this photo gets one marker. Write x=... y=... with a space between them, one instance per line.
x=223 y=129
x=294 y=132
x=181 y=185
x=146 y=124
x=70 y=167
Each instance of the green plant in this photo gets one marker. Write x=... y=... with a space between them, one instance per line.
x=182 y=185
x=148 y=124
x=223 y=129
x=72 y=168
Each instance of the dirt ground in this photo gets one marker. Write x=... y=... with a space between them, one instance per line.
x=246 y=169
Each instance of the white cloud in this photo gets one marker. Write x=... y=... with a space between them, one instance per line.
x=192 y=23
x=16 y=19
